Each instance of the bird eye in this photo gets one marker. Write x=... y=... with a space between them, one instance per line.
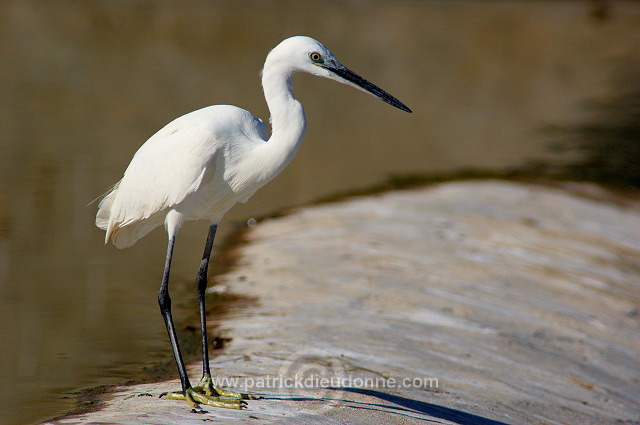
x=316 y=57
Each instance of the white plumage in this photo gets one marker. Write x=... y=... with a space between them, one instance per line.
x=186 y=172
x=201 y=164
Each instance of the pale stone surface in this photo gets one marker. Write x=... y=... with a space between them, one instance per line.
x=462 y=303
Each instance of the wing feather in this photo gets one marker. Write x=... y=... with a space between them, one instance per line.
x=166 y=169
x=173 y=164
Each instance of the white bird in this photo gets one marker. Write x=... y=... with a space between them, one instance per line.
x=203 y=163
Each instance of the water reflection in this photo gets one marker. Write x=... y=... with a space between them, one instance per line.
x=606 y=146
x=85 y=83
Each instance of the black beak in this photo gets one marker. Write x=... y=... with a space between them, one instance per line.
x=353 y=78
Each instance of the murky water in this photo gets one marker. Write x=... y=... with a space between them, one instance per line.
x=85 y=83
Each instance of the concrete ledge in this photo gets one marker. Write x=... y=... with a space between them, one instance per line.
x=462 y=303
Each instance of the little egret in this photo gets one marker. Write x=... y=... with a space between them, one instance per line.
x=203 y=163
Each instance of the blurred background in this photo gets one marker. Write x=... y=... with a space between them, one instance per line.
x=541 y=87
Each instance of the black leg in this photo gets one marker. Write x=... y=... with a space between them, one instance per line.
x=165 y=308
x=205 y=392
x=201 y=286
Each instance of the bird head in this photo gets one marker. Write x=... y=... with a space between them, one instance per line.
x=304 y=54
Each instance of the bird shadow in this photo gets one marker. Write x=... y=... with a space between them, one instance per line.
x=403 y=403
x=391 y=403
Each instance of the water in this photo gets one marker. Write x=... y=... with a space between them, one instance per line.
x=85 y=83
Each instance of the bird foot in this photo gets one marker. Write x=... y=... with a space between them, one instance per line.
x=206 y=393
x=206 y=387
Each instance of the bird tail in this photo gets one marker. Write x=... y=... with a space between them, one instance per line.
x=104 y=208
x=122 y=235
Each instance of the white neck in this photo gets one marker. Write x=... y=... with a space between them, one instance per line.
x=288 y=122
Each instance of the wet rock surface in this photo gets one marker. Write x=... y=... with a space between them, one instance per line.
x=483 y=302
